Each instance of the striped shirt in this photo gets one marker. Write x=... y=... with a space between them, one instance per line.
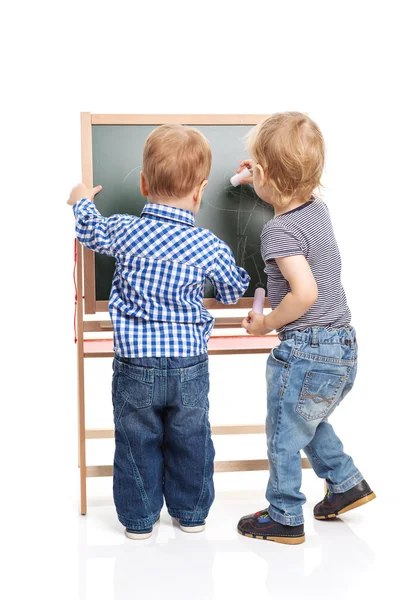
x=162 y=262
x=307 y=230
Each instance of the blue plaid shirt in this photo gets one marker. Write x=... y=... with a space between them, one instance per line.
x=162 y=261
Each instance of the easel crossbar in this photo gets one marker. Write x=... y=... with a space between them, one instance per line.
x=221 y=466
x=97 y=434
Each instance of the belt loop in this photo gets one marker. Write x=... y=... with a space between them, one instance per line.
x=314 y=342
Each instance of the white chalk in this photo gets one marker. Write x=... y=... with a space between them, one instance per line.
x=236 y=179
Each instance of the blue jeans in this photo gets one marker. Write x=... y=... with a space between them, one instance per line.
x=307 y=377
x=163 y=439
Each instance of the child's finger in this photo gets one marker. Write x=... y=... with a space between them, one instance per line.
x=244 y=164
x=96 y=190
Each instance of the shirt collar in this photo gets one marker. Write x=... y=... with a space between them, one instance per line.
x=169 y=213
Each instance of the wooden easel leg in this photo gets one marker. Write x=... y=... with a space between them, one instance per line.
x=80 y=387
x=83 y=492
x=81 y=429
x=82 y=450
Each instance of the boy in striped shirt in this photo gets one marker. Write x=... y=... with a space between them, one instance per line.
x=161 y=329
x=315 y=365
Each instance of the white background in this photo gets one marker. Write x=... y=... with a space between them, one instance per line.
x=351 y=65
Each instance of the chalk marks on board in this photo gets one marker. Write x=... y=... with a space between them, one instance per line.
x=130 y=172
x=249 y=248
x=248 y=207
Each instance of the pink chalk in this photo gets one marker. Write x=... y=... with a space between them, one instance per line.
x=258 y=304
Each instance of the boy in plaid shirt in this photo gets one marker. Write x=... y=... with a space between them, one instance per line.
x=161 y=329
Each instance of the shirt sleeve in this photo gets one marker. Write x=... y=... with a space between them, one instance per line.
x=277 y=241
x=229 y=280
x=94 y=231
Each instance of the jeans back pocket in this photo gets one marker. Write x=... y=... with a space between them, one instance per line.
x=319 y=394
x=134 y=384
x=194 y=383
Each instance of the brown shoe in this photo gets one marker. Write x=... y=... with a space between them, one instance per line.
x=336 y=504
x=261 y=526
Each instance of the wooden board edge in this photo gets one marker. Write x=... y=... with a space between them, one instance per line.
x=211 y=352
x=87 y=178
x=198 y=119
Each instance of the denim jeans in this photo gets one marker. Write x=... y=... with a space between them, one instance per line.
x=307 y=377
x=163 y=439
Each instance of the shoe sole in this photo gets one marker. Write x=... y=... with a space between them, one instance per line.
x=140 y=536
x=290 y=541
x=194 y=529
x=355 y=504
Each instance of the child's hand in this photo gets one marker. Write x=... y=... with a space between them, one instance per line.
x=81 y=191
x=245 y=164
x=255 y=324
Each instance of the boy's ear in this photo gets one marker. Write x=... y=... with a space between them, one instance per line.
x=143 y=184
x=261 y=175
x=197 y=197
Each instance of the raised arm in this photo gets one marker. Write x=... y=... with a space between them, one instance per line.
x=92 y=229
x=229 y=280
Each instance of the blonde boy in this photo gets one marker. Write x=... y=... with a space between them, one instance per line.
x=161 y=330
x=315 y=365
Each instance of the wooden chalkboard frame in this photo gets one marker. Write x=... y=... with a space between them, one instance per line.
x=91 y=305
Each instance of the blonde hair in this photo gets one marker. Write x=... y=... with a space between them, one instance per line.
x=290 y=148
x=176 y=160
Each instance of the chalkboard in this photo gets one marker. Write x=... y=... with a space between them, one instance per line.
x=235 y=215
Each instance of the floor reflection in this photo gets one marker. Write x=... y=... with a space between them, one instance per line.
x=177 y=565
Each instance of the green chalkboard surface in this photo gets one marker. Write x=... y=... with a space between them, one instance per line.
x=236 y=215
